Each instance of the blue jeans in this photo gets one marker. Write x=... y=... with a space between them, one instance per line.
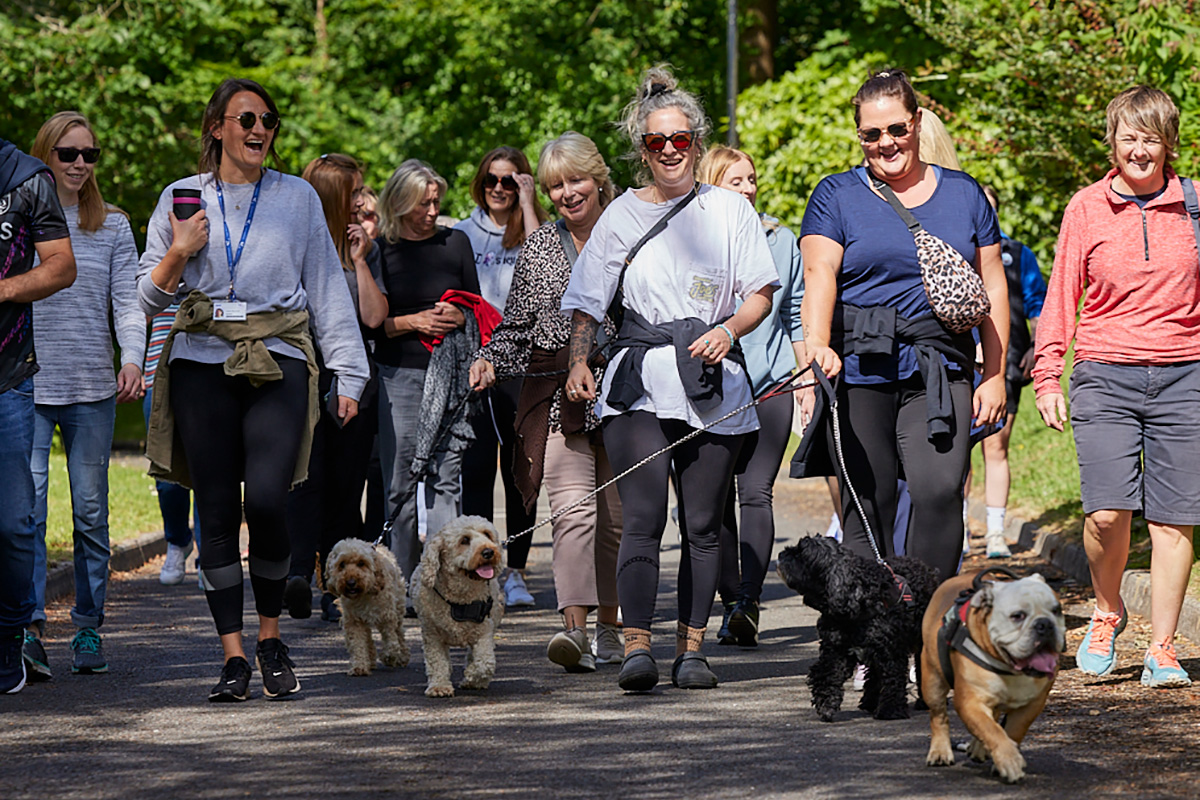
x=87 y=434
x=16 y=508
x=174 y=500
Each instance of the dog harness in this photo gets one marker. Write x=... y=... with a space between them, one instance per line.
x=954 y=634
x=477 y=611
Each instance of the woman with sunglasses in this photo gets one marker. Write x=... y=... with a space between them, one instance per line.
x=557 y=439
x=905 y=398
x=772 y=351
x=327 y=506
x=674 y=367
x=235 y=395
x=75 y=389
x=506 y=212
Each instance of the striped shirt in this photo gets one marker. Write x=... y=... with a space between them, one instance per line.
x=71 y=327
x=160 y=326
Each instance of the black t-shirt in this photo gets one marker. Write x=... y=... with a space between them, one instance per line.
x=29 y=214
x=416 y=275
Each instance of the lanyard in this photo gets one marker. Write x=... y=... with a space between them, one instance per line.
x=233 y=260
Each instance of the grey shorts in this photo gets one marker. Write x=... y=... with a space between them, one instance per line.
x=1137 y=436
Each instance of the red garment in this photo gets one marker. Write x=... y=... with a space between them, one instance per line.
x=1138 y=273
x=485 y=314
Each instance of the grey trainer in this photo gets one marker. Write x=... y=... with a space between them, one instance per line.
x=570 y=650
x=608 y=647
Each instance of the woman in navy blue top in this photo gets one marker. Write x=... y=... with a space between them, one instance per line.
x=905 y=398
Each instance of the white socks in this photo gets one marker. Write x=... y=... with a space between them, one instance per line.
x=995 y=519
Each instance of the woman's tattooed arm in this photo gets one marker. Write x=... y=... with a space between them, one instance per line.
x=583 y=334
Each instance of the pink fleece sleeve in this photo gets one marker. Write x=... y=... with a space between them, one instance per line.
x=1056 y=327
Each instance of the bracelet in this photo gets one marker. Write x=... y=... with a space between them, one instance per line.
x=728 y=332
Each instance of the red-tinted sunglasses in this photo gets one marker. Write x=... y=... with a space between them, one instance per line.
x=655 y=142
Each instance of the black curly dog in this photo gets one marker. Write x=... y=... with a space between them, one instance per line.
x=862 y=621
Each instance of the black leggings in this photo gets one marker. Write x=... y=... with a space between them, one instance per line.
x=883 y=427
x=327 y=507
x=232 y=433
x=755 y=493
x=479 y=469
x=704 y=468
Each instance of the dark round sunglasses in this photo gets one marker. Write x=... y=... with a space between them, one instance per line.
x=246 y=119
x=897 y=130
x=508 y=182
x=656 y=142
x=67 y=155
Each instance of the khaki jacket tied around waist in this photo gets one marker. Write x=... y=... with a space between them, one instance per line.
x=251 y=359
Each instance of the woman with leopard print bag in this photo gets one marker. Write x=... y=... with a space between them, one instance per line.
x=873 y=241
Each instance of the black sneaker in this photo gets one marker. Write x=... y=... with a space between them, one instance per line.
x=12 y=665
x=723 y=634
x=88 y=653
x=278 y=679
x=743 y=623
x=37 y=664
x=234 y=686
x=329 y=608
x=297 y=597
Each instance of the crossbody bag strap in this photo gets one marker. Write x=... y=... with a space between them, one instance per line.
x=1193 y=207
x=568 y=244
x=894 y=202
x=658 y=227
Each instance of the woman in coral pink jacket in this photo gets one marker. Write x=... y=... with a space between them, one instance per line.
x=1128 y=249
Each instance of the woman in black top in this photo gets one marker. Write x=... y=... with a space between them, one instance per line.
x=419 y=262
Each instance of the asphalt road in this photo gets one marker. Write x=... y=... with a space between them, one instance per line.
x=145 y=729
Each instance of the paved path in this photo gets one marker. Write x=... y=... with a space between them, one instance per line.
x=146 y=730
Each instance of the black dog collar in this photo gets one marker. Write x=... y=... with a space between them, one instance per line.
x=954 y=635
x=477 y=612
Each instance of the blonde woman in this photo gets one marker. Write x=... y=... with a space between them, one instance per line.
x=420 y=262
x=554 y=437
x=675 y=366
x=76 y=390
x=772 y=350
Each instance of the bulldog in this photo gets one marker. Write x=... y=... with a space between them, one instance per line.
x=996 y=644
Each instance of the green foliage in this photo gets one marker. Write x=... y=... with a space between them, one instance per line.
x=382 y=80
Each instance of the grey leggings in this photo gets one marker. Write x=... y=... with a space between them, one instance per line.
x=704 y=467
x=883 y=427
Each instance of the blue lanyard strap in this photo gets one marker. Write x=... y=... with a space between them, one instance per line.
x=234 y=259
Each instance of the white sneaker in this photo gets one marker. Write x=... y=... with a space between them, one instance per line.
x=860 y=677
x=996 y=546
x=966 y=551
x=175 y=565
x=515 y=593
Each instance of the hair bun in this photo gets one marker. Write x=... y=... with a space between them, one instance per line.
x=657 y=89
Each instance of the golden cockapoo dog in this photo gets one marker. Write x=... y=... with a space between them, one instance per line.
x=370 y=590
x=457 y=597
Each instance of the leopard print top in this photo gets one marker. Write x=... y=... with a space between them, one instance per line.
x=533 y=314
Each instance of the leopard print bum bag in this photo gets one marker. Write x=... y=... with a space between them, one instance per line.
x=954 y=289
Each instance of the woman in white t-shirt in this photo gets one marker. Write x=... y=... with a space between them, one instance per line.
x=675 y=366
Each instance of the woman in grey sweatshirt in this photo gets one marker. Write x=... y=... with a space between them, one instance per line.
x=256 y=262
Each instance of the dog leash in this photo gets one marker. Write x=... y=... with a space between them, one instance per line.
x=786 y=386
x=905 y=593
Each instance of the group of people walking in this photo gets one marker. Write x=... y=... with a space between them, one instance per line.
x=302 y=329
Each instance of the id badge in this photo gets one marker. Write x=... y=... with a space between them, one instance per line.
x=229 y=311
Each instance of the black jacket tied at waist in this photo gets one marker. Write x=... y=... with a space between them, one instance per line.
x=875 y=331
x=702 y=382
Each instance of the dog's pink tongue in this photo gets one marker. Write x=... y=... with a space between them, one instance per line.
x=486 y=572
x=1042 y=662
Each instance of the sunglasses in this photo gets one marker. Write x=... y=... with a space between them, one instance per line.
x=246 y=119
x=897 y=130
x=656 y=142
x=508 y=182
x=67 y=155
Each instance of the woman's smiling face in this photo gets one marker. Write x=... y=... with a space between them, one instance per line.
x=245 y=148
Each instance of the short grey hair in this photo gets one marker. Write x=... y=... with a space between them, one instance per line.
x=403 y=192
x=657 y=91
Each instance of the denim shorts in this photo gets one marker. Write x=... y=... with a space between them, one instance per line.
x=1137 y=436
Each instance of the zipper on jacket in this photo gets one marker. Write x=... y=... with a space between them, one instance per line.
x=1145 y=235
